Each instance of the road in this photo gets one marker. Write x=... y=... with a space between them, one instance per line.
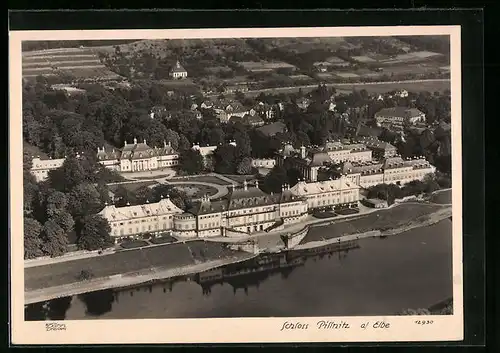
x=306 y=88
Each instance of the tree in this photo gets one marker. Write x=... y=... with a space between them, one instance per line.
x=93 y=233
x=143 y=194
x=68 y=176
x=84 y=200
x=32 y=241
x=239 y=96
x=54 y=239
x=31 y=129
x=245 y=166
x=209 y=163
x=172 y=137
x=184 y=143
x=177 y=197
x=30 y=190
x=191 y=161
x=226 y=158
x=56 y=202
x=274 y=180
x=64 y=220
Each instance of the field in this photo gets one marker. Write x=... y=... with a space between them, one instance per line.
x=364 y=59
x=391 y=218
x=168 y=256
x=346 y=74
x=264 y=65
x=411 y=86
x=336 y=60
x=300 y=77
x=443 y=197
x=81 y=63
x=303 y=45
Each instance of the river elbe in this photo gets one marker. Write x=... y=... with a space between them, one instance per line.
x=381 y=277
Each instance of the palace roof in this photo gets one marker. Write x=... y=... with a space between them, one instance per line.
x=135 y=151
x=163 y=207
x=399 y=112
x=304 y=189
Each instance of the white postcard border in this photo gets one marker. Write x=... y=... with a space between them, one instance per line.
x=228 y=330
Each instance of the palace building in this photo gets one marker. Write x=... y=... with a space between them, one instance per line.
x=341 y=192
x=138 y=157
x=391 y=170
x=398 y=116
x=310 y=160
x=40 y=167
x=243 y=211
x=132 y=220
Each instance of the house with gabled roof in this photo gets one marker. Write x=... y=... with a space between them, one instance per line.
x=178 y=71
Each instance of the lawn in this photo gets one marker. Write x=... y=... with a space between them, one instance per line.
x=391 y=218
x=324 y=214
x=202 y=179
x=196 y=190
x=132 y=186
x=164 y=239
x=241 y=178
x=173 y=255
x=443 y=197
x=131 y=244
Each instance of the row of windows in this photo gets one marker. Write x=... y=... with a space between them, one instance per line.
x=144 y=220
x=55 y=165
x=209 y=225
x=209 y=216
x=143 y=229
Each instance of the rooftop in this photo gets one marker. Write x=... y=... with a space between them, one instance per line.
x=164 y=206
x=400 y=112
x=272 y=129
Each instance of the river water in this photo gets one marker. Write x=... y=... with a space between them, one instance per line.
x=380 y=277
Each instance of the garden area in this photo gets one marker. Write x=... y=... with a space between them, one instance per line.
x=132 y=244
x=196 y=190
x=210 y=179
x=441 y=197
x=163 y=239
x=385 y=219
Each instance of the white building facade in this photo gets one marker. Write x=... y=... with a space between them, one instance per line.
x=40 y=167
x=336 y=193
x=391 y=170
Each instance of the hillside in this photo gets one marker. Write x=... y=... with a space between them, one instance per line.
x=77 y=63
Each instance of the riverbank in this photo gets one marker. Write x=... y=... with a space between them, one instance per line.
x=126 y=280
x=424 y=221
x=156 y=273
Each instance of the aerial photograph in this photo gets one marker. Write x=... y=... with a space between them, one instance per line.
x=237 y=177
